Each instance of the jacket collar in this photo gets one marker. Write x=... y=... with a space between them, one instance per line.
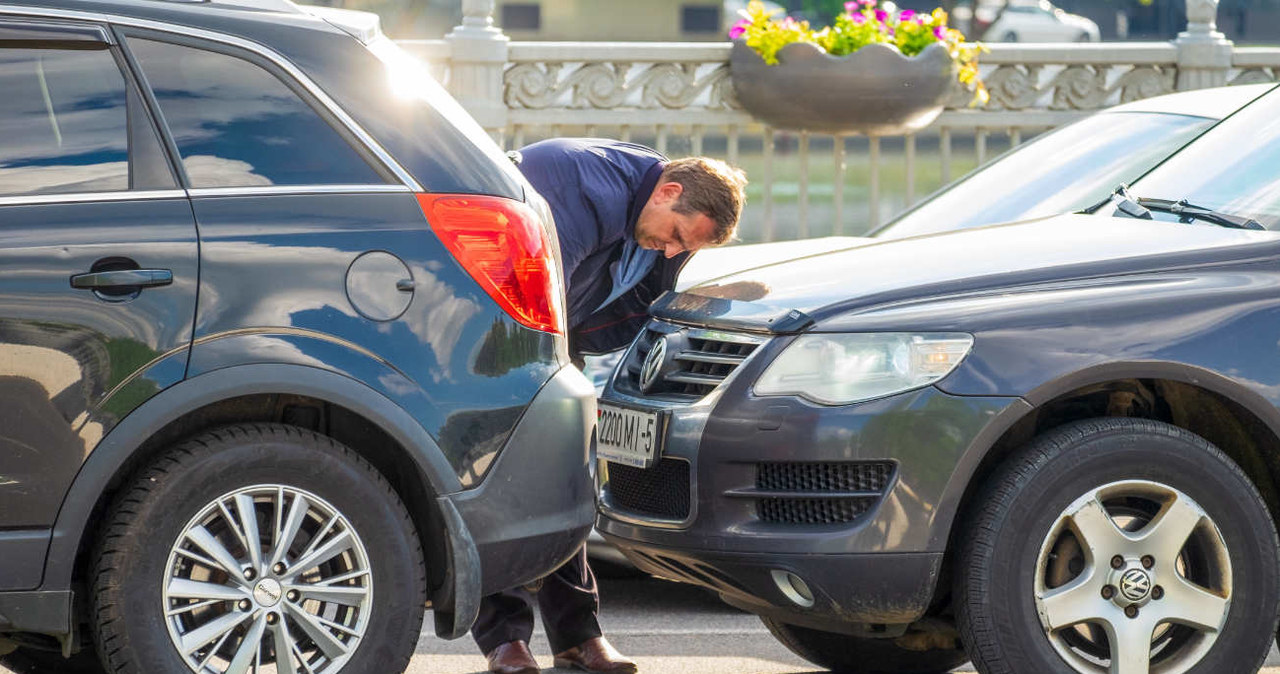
x=642 y=194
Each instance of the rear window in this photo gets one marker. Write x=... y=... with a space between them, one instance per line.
x=238 y=125
x=1064 y=171
x=394 y=98
x=65 y=120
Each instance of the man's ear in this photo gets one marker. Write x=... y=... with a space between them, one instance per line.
x=670 y=191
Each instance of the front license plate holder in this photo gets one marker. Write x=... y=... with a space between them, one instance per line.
x=629 y=435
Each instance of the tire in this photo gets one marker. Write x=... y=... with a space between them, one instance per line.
x=175 y=537
x=1010 y=36
x=1038 y=587
x=35 y=661
x=856 y=655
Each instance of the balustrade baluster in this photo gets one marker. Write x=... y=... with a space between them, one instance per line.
x=944 y=147
x=733 y=145
x=873 y=183
x=803 y=225
x=909 y=154
x=838 y=196
x=768 y=184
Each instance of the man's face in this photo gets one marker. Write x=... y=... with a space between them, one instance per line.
x=661 y=228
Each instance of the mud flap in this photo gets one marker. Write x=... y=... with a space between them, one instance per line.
x=457 y=604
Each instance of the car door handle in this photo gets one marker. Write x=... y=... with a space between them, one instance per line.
x=123 y=278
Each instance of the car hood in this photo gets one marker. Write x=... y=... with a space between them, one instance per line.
x=793 y=294
x=713 y=263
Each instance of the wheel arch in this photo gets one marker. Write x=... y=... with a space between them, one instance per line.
x=1236 y=419
x=329 y=403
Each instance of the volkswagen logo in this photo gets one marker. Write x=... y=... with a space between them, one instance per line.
x=652 y=367
x=1135 y=585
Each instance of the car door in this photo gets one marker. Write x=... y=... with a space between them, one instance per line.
x=297 y=223
x=98 y=267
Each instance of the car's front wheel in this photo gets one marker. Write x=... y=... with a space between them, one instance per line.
x=1121 y=546
x=844 y=653
x=258 y=546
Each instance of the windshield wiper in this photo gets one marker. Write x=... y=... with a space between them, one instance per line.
x=1189 y=211
x=1126 y=204
x=1141 y=207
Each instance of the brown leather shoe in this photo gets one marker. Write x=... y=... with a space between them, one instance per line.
x=512 y=657
x=595 y=656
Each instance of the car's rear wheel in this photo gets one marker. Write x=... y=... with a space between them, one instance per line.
x=1120 y=546
x=844 y=653
x=254 y=546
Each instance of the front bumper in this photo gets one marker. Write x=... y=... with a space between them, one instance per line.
x=839 y=590
x=534 y=508
x=871 y=552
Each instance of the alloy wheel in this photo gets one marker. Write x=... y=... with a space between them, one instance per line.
x=1133 y=577
x=267 y=579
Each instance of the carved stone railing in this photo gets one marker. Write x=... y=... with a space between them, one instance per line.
x=1255 y=65
x=680 y=94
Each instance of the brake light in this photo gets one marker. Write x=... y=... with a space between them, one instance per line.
x=502 y=245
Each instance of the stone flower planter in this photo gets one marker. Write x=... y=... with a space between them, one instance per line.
x=874 y=91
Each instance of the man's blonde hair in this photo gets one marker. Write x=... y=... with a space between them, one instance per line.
x=711 y=187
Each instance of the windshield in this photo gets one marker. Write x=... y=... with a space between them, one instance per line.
x=1234 y=169
x=1064 y=171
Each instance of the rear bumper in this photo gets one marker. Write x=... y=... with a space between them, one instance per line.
x=534 y=508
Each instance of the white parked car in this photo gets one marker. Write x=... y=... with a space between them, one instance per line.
x=1030 y=21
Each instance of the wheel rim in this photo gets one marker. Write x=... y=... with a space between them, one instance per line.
x=264 y=571
x=1133 y=577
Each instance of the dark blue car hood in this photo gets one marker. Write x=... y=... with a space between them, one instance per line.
x=791 y=295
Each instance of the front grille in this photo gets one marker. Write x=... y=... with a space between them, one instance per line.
x=697 y=360
x=660 y=491
x=860 y=476
x=825 y=493
x=812 y=510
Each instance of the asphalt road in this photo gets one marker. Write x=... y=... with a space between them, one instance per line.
x=666 y=627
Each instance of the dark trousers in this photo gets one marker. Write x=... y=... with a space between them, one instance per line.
x=568 y=601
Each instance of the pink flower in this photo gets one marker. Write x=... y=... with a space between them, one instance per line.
x=867 y=3
x=858 y=18
x=906 y=15
x=920 y=19
x=881 y=15
x=851 y=6
x=940 y=32
x=738 y=29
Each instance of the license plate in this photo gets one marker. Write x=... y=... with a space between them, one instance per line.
x=628 y=436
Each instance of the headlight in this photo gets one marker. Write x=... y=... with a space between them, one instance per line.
x=839 y=369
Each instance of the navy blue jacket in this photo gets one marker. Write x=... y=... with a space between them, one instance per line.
x=596 y=189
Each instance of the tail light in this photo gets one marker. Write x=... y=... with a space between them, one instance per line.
x=502 y=245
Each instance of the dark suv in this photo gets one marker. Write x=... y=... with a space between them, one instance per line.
x=282 y=356
x=1051 y=446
